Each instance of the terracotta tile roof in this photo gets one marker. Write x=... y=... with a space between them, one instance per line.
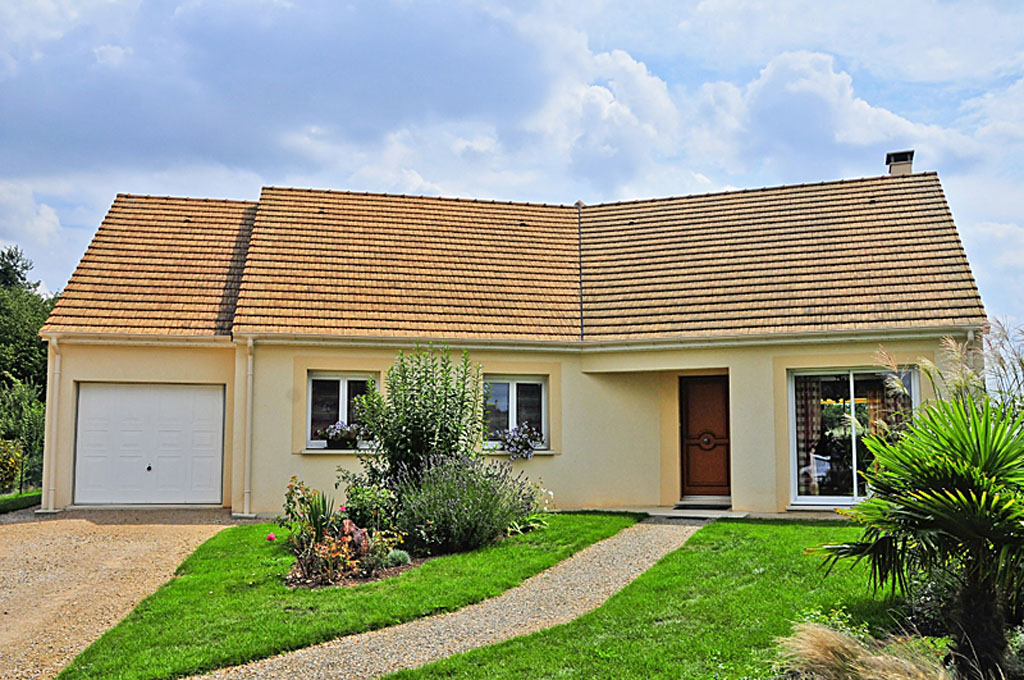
x=865 y=254
x=338 y=263
x=859 y=255
x=159 y=266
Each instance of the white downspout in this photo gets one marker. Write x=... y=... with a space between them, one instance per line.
x=247 y=493
x=52 y=398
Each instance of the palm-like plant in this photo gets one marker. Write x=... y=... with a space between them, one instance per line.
x=948 y=502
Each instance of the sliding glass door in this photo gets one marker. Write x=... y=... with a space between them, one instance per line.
x=832 y=414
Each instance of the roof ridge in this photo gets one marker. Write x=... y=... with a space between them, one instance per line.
x=384 y=194
x=188 y=198
x=585 y=207
x=774 y=187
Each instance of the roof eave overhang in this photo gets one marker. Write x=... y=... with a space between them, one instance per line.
x=620 y=345
x=138 y=339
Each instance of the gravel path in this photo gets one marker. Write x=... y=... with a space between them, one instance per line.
x=67 y=578
x=558 y=595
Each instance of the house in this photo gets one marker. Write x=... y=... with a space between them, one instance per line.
x=696 y=349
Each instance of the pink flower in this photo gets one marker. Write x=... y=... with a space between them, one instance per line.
x=271 y=537
x=343 y=508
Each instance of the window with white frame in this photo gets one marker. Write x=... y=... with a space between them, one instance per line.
x=330 y=399
x=831 y=414
x=512 y=401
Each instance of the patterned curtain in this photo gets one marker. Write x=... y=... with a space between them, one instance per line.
x=808 y=431
x=878 y=413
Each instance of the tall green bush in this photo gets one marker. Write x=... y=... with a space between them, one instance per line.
x=433 y=407
x=10 y=463
x=948 y=503
x=23 y=310
x=22 y=419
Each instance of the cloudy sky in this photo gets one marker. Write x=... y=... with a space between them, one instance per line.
x=545 y=101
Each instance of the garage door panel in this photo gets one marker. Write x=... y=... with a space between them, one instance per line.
x=202 y=487
x=149 y=443
x=92 y=478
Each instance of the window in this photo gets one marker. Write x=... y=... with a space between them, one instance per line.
x=514 y=401
x=330 y=398
x=832 y=414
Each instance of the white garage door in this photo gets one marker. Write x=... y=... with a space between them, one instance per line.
x=149 y=443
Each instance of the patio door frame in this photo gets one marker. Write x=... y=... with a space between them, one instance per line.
x=794 y=464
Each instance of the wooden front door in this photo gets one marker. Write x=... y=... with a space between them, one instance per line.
x=704 y=435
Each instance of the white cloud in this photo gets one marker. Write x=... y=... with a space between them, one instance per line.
x=998 y=114
x=801 y=112
x=41 y=21
x=111 y=55
x=1005 y=243
x=996 y=253
x=607 y=117
x=913 y=40
x=22 y=218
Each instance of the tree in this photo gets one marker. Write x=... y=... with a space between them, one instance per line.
x=14 y=269
x=23 y=362
x=23 y=311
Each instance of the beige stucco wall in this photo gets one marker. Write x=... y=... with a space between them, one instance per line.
x=603 y=428
x=759 y=418
x=127 y=363
x=613 y=416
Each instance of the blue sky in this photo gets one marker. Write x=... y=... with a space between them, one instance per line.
x=536 y=101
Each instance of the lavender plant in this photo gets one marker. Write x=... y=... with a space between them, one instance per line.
x=461 y=503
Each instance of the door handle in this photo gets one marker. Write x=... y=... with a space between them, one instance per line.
x=149 y=468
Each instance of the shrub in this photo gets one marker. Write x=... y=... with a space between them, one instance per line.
x=22 y=419
x=382 y=544
x=326 y=543
x=929 y=603
x=433 y=408
x=537 y=519
x=317 y=535
x=397 y=558
x=457 y=504
x=1014 y=663
x=10 y=462
x=371 y=506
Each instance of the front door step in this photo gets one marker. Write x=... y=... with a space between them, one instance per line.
x=705 y=502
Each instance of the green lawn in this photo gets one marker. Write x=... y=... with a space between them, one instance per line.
x=709 y=610
x=229 y=605
x=17 y=501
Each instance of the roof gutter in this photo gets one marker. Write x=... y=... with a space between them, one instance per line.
x=139 y=339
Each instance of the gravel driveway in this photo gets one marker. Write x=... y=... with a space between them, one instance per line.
x=66 y=579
